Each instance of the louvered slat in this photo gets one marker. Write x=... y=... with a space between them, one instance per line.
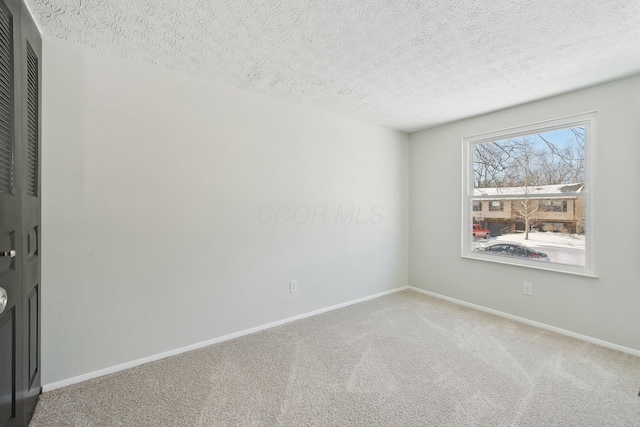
x=32 y=122
x=6 y=116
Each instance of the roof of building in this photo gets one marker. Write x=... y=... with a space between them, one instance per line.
x=549 y=191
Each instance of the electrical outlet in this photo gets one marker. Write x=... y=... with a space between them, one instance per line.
x=293 y=286
x=527 y=288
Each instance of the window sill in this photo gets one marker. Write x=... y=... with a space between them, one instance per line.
x=538 y=265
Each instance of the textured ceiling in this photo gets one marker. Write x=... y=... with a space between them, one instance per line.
x=404 y=64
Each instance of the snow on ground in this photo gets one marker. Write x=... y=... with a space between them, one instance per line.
x=561 y=248
x=541 y=240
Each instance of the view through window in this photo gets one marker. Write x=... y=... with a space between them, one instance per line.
x=529 y=192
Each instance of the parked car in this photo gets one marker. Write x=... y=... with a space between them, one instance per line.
x=512 y=249
x=480 y=233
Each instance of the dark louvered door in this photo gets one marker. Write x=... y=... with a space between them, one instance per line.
x=20 y=49
x=11 y=181
x=30 y=92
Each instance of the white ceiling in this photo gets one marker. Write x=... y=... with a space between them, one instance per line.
x=404 y=64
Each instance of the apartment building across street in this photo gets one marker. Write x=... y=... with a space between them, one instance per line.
x=556 y=208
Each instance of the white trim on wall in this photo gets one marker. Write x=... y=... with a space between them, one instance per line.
x=134 y=363
x=529 y=322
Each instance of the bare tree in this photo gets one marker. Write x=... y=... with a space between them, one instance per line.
x=489 y=164
x=568 y=162
x=525 y=173
x=522 y=164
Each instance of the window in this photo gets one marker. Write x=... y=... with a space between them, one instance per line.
x=477 y=206
x=554 y=205
x=496 y=206
x=537 y=181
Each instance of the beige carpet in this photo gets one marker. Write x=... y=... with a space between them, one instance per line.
x=401 y=360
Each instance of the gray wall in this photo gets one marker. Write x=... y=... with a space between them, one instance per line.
x=606 y=308
x=159 y=191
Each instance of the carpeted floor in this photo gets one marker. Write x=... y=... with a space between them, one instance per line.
x=401 y=360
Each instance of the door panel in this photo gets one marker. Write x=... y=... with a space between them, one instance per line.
x=31 y=50
x=34 y=336
x=20 y=50
x=31 y=73
x=32 y=242
x=11 y=333
x=7 y=175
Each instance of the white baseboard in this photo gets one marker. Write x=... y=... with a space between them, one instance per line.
x=133 y=363
x=532 y=323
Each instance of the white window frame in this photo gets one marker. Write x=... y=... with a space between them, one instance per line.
x=588 y=120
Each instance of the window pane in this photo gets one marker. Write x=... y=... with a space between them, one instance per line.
x=521 y=164
x=525 y=228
